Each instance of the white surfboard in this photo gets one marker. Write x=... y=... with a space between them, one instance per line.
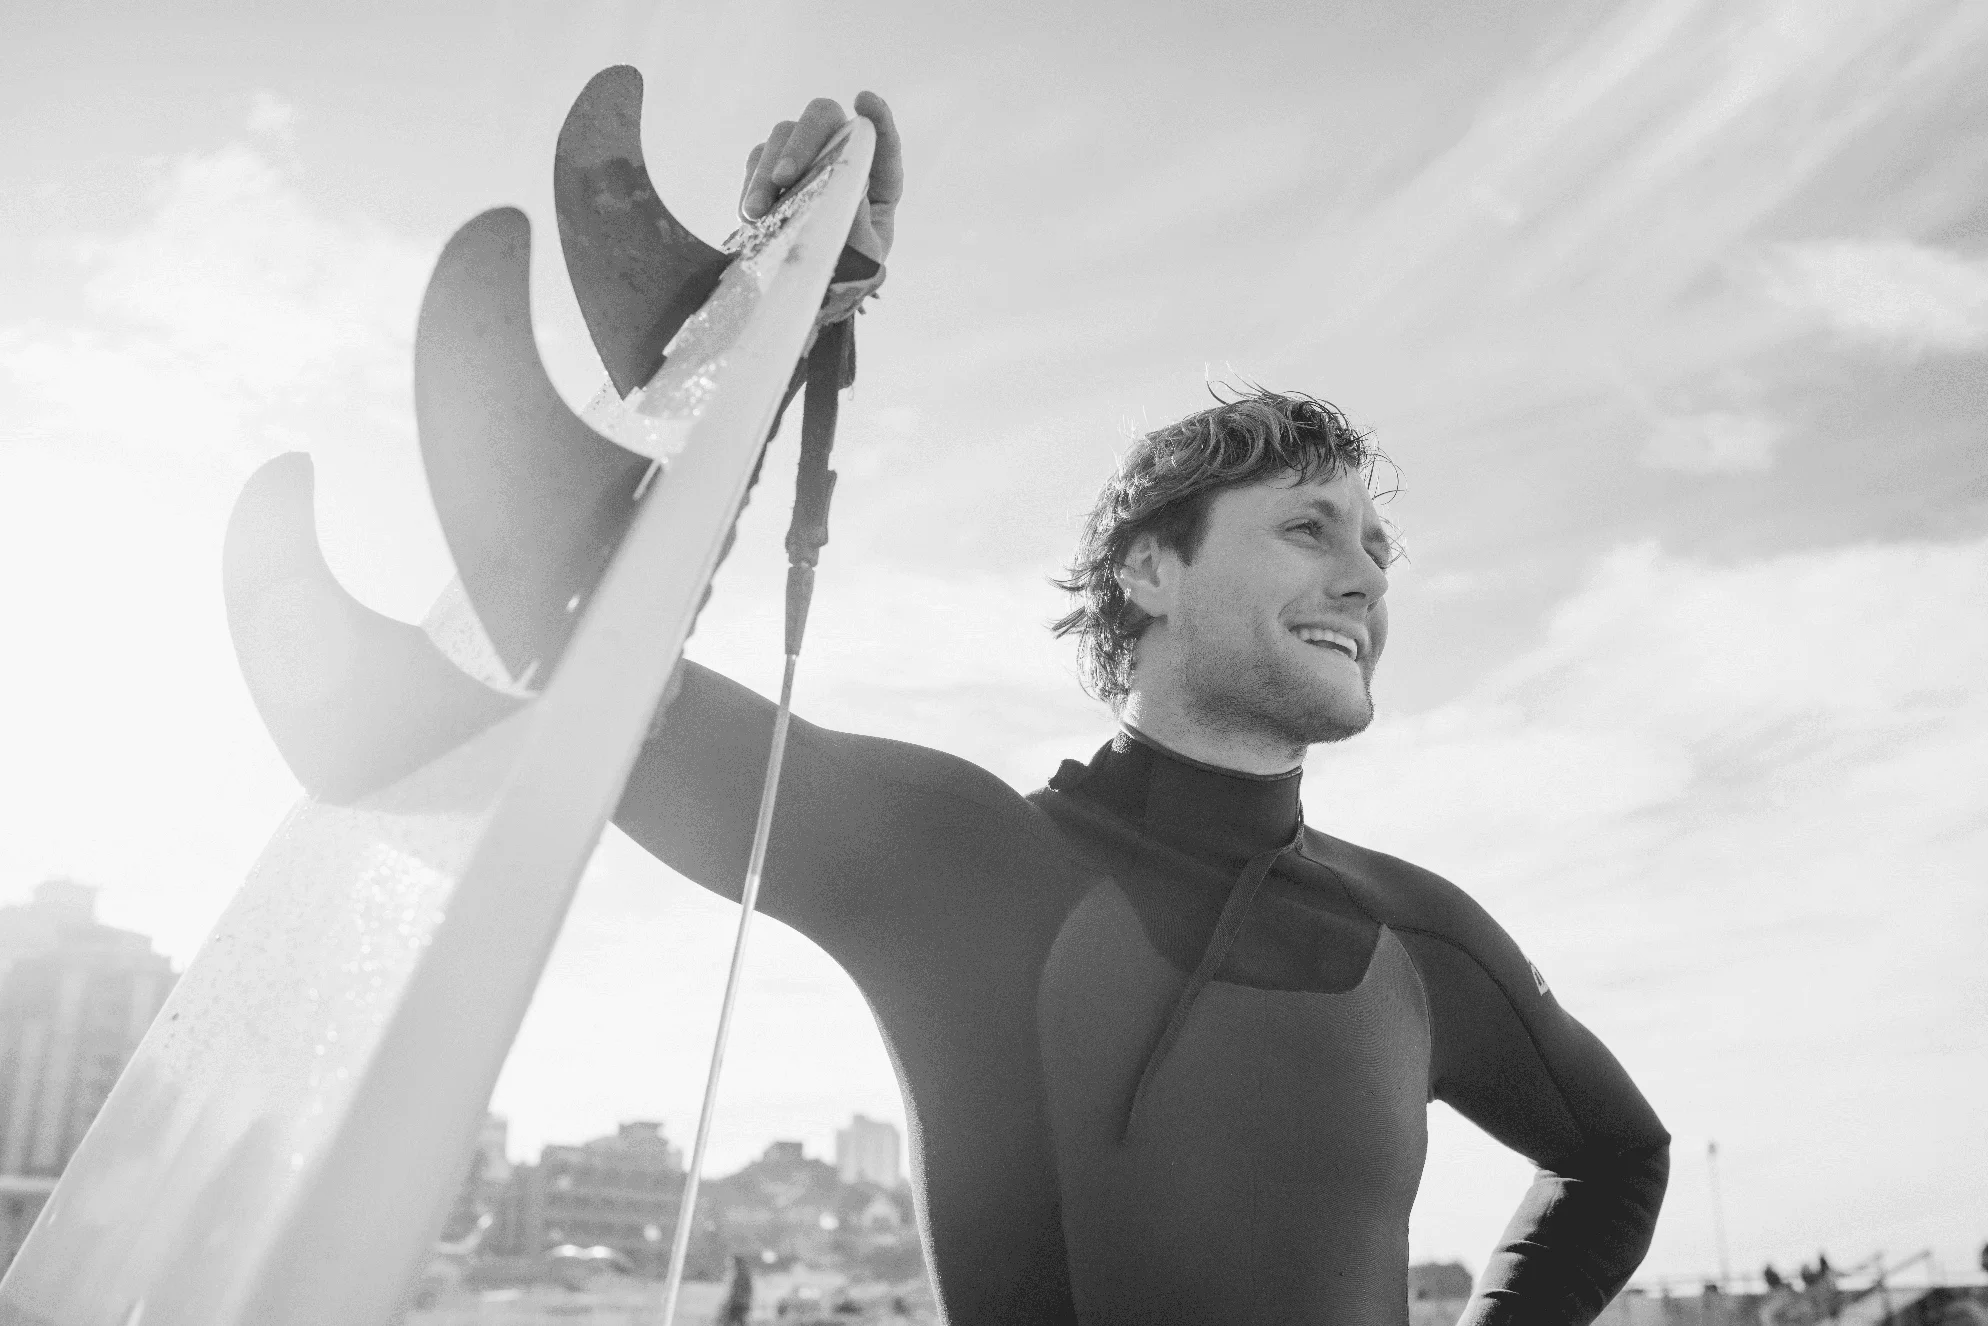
x=284 y=1146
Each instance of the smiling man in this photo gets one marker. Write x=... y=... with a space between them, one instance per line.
x=1166 y=1049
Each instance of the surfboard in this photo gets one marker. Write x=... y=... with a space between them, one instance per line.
x=285 y=1143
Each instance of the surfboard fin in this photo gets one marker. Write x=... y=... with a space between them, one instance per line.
x=636 y=270
x=532 y=501
x=354 y=699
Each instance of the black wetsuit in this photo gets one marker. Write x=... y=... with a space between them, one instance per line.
x=1166 y=1053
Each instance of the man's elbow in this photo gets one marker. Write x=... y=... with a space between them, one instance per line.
x=1636 y=1177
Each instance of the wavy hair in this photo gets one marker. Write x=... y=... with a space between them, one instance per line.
x=1164 y=485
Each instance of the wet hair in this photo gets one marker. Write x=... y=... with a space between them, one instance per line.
x=1163 y=486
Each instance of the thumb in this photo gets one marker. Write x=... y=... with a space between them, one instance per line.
x=864 y=236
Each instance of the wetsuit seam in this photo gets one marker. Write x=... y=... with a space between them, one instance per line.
x=1346 y=887
x=1587 y=1135
x=1545 y=1060
x=1145 y=842
x=1241 y=894
x=1428 y=1004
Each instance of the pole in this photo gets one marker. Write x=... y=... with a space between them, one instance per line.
x=1718 y=1216
x=755 y=866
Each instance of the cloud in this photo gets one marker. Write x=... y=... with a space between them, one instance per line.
x=271 y=117
x=1909 y=297
x=1669 y=694
x=234 y=306
x=959 y=660
x=1716 y=442
x=230 y=321
x=1734 y=813
x=1598 y=207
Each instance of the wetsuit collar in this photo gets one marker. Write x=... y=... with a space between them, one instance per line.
x=1221 y=816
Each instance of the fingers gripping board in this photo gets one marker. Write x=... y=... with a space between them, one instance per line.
x=287 y=1139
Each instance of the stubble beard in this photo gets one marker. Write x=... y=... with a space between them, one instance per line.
x=1268 y=700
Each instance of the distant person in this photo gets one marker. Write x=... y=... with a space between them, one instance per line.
x=1784 y=1305
x=1772 y=1277
x=737 y=1309
x=1825 y=1283
x=1167 y=1049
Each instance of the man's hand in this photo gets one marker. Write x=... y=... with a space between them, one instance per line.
x=791 y=147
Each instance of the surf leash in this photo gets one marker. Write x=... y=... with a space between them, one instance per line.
x=830 y=367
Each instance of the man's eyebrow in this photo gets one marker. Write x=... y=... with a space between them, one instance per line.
x=1375 y=535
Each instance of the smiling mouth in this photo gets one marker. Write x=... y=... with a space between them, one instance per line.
x=1320 y=638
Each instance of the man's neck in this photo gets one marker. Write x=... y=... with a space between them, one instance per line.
x=1222 y=816
x=1225 y=748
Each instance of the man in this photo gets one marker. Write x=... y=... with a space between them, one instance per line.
x=1166 y=1050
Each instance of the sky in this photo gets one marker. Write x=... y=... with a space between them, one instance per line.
x=1673 y=315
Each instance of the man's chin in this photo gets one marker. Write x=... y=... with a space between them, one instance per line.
x=1319 y=724
x=1297 y=710
x=1333 y=718
x=1323 y=729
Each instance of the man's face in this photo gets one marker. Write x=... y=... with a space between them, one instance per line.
x=1274 y=628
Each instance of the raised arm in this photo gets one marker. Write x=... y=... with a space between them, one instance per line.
x=858 y=827
x=844 y=799
x=1507 y=1057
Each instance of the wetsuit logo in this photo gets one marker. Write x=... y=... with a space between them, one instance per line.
x=1537 y=979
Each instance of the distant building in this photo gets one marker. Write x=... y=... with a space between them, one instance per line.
x=881 y=1215
x=617 y=1192
x=484 y=1188
x=866 y=1152
x=783 y=1153
x=622 y=1193
x=1439 y=1282
x=75 y=999
x=21 y=1199
x=784 y=1206
x=493 y=1143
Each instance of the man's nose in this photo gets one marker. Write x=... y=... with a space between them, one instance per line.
x=1364 y=579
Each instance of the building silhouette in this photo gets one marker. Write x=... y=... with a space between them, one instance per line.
x=479 y=1207
x=493 y=1142
x=622 y=1193
x=787 y=1208
x=866 y=1152
x=618 y=1192
x=76 y=996
x=1439 y=1282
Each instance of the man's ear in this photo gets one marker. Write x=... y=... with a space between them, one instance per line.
x=1150 y=575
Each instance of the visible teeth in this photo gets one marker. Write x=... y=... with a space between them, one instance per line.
x=1318 y=635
